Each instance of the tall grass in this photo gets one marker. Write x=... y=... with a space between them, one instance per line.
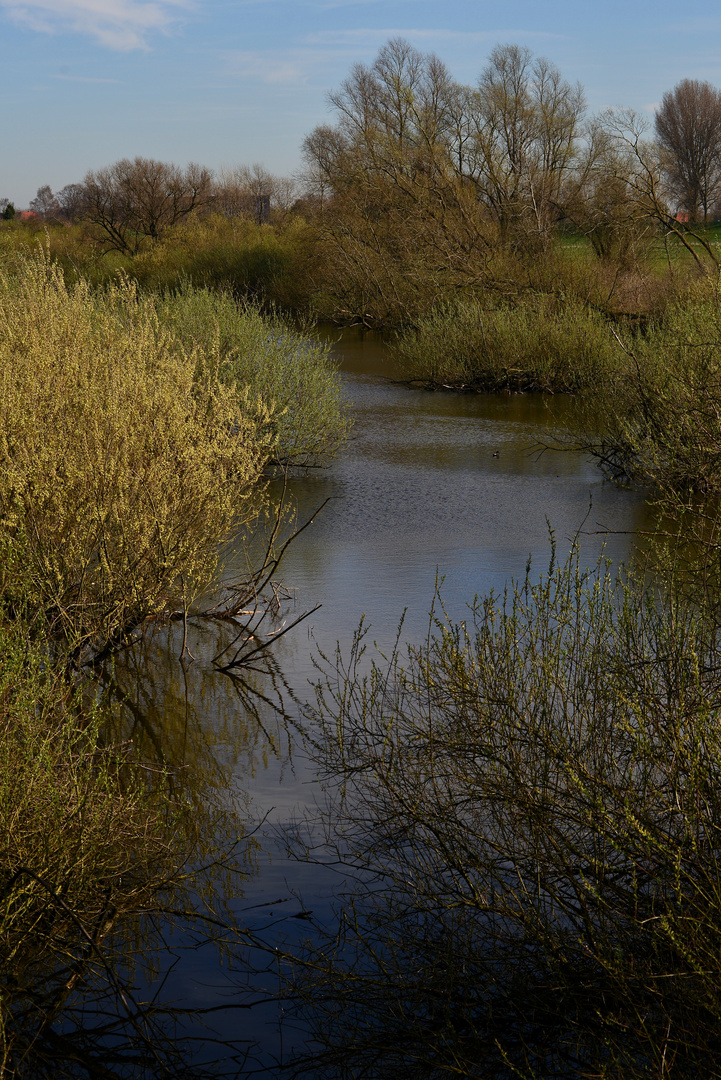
x=558 y=346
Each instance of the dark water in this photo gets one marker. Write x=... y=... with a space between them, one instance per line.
x=430 y=485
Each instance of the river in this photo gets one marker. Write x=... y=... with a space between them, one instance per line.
x=430 y=486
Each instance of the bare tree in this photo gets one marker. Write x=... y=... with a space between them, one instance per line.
x=70 y=201
x=423 y=181
x=399 y=220
x=320 y=150
x=640 y=165
x=132 y=200
x=45 y=204
x=252 y=191
x=613 y=198
x=688 y=128
x=514 y=138
x=527 y=125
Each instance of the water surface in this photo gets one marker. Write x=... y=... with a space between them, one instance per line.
x=430 y=486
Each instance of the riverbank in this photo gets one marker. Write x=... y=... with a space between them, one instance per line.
x=135 y=438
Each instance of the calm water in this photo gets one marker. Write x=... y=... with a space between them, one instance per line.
x=430 y=485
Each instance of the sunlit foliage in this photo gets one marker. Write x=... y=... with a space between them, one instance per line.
x=124 y=462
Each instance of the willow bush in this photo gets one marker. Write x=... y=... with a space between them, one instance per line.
x=267 y=264
x=84 y=841
x=529 y=804
x=125 y=461
x=546 y=344
x=291 y=371
x=111 y=869
x=660 y=421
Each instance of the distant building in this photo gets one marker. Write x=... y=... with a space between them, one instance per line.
x=262 y=209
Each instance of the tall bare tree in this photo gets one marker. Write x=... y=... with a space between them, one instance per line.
x=527 y=126
x=400 y=221
x=424 y=180
x=45 y=204
x=688 y=127
x=70 y=201
x=639 y=165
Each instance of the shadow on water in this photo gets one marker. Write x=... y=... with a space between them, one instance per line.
x=429 y=485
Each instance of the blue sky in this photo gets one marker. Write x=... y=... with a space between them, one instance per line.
x=227 y=82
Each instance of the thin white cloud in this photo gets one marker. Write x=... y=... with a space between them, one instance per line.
x=272 y=68
x=117 y=24
x=321 y=50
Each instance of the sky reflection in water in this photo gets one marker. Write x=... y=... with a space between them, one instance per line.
x=430 y=484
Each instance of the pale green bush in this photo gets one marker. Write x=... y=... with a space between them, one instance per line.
x=292 y=372
x=126 y=461
x=544 y=344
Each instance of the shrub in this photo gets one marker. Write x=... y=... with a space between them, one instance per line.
x=660 y=425
x=290 y=372
x=125 y=461
x=264 y=263
x=83 y=844
x=557 y=346
x=530 y=807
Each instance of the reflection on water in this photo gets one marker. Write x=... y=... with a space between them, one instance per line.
x=443 y=482
x=430 y=484
x=214 y=731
